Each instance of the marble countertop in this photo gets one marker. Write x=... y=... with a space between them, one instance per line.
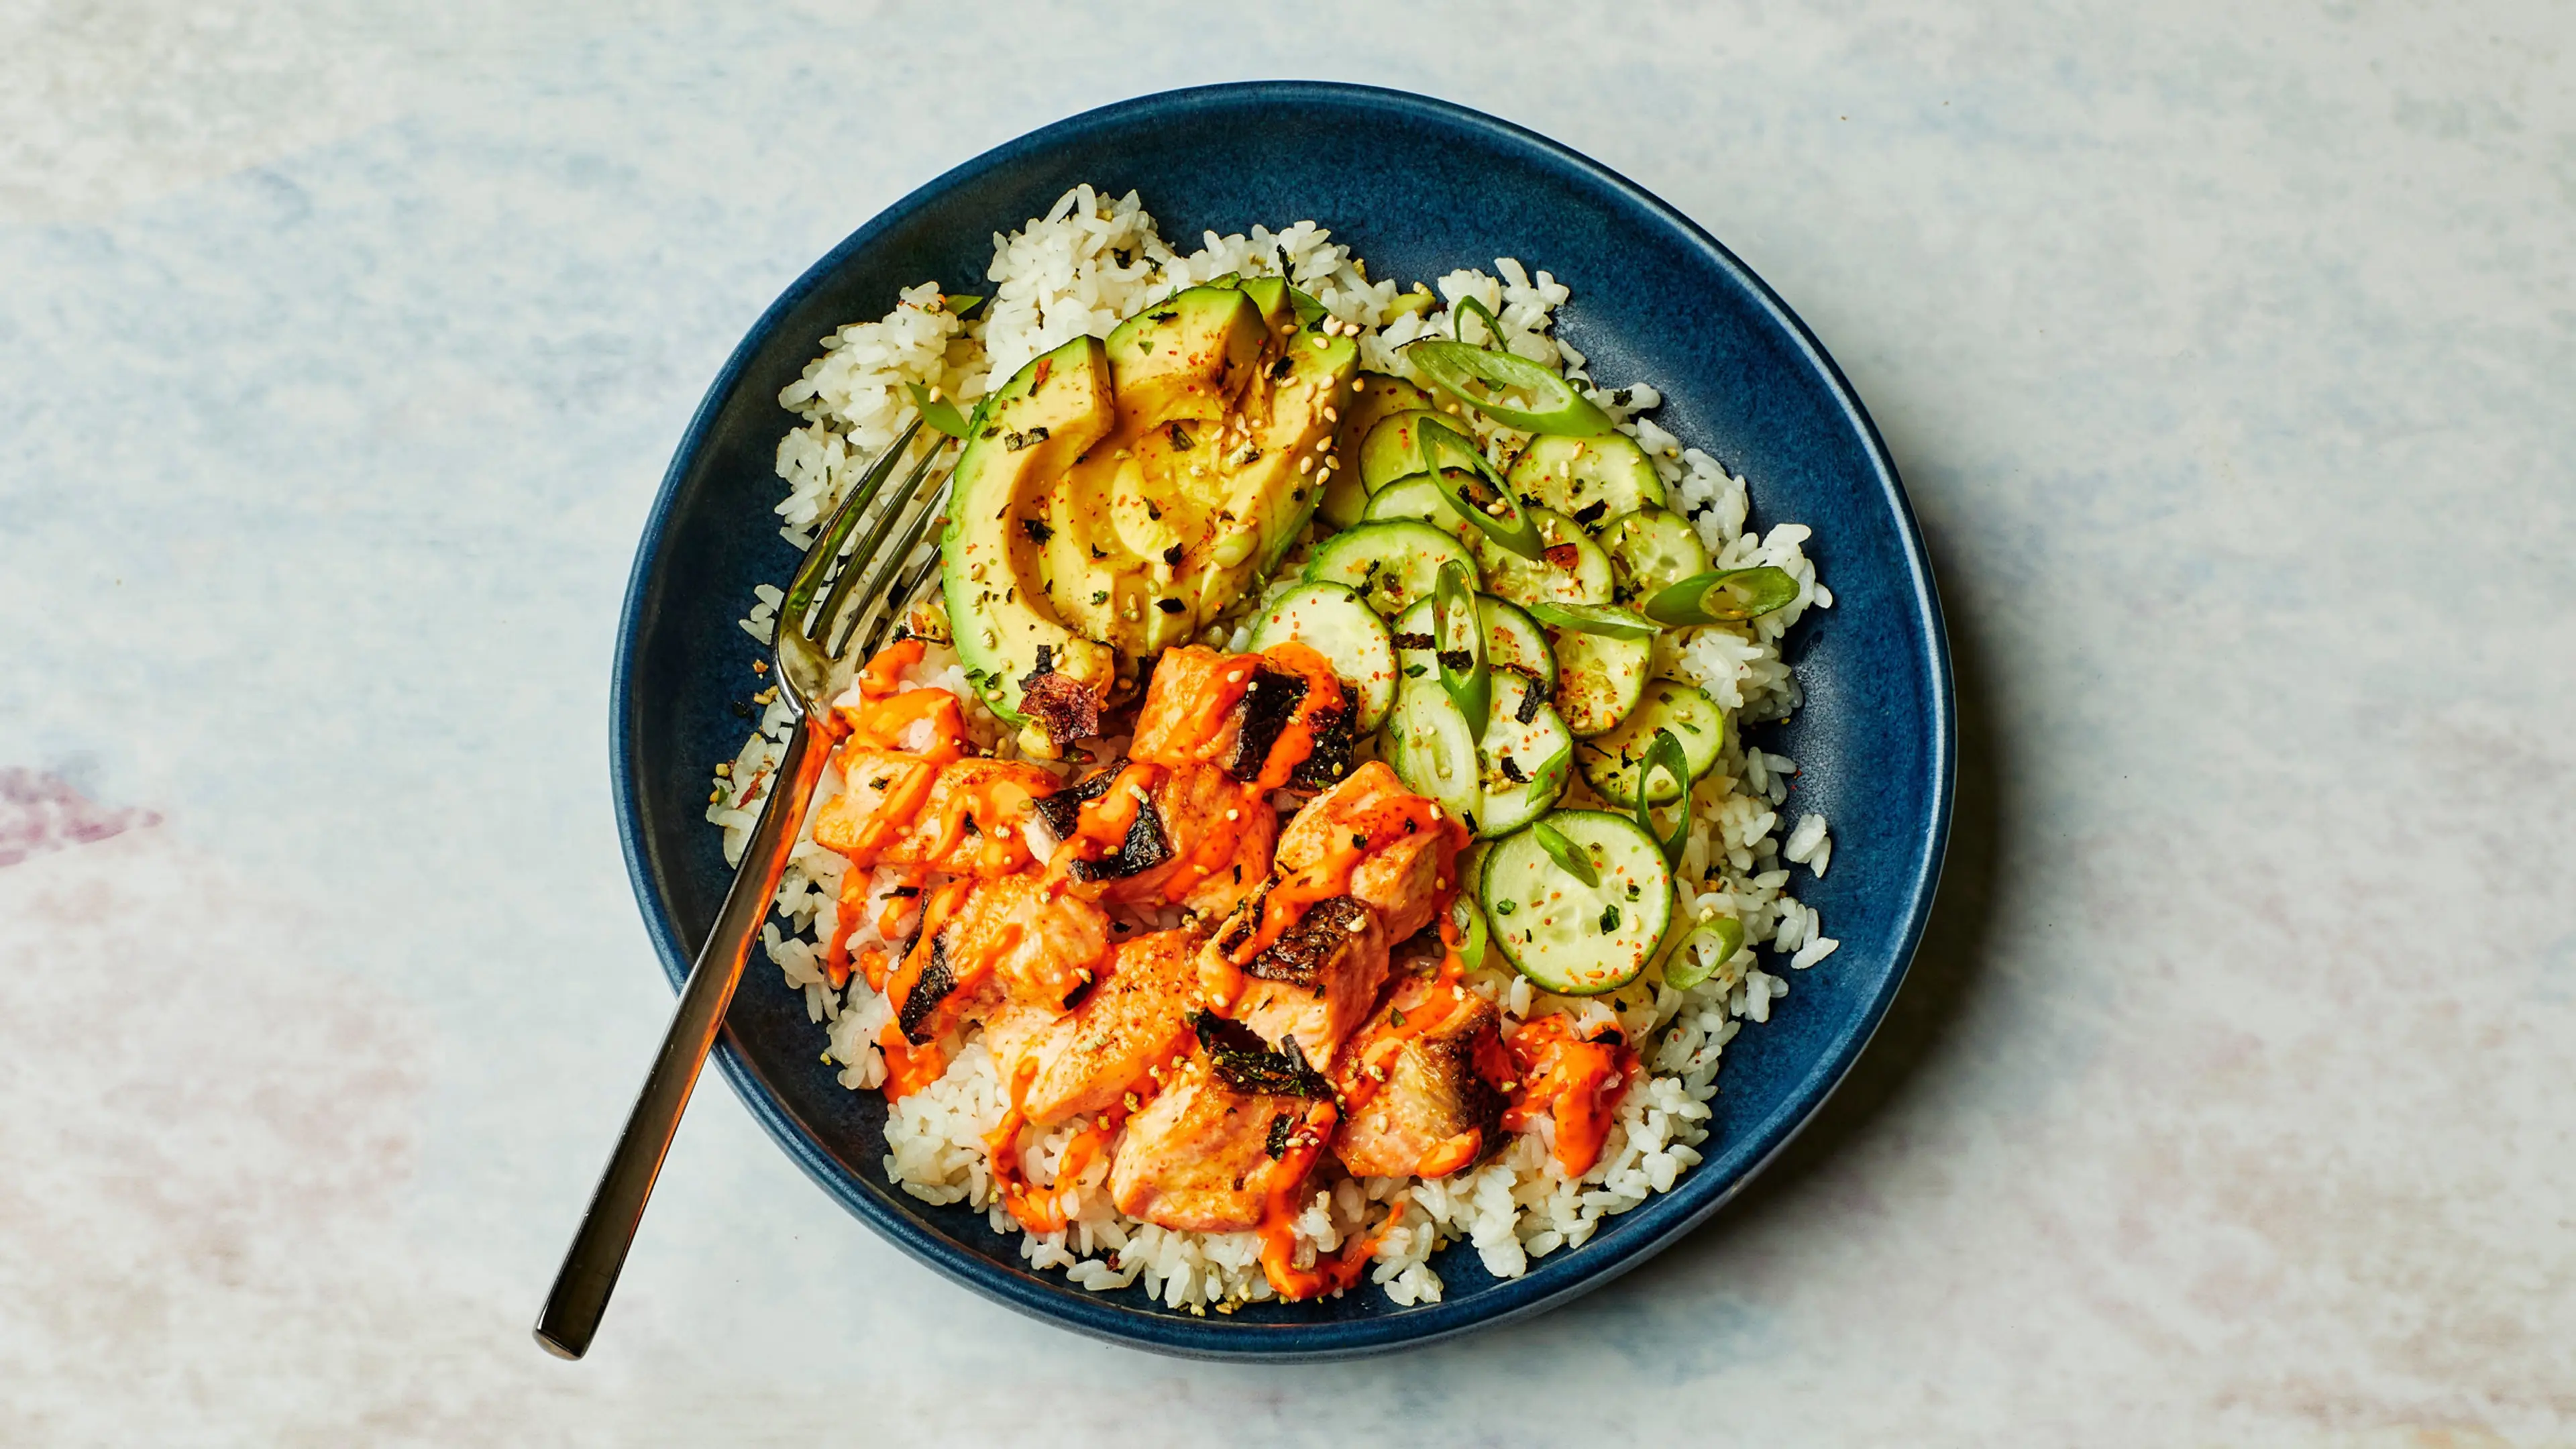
x=2228 y=352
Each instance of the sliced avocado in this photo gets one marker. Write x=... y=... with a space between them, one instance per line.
x=1036 y=426
x=1162 y=527
x=1157 y=474
x=1270 y=294
x=1185 y=357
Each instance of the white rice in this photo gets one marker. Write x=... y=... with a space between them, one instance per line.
x=1090 y=262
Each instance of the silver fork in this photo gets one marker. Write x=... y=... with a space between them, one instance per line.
x=810 y=641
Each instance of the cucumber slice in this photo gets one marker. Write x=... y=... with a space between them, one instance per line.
x=1577 y=573
x=1427 y=745
x=1514 y=642
x=1418 y=498
x=1611 y=760
x=1599 y=679
x=1523 y=766
x=1345 y=499
x=1332 y=621
x=1391 y=450
x=1653 y=551
x=1374 y=395
x=1590 y=480
x=1389 y=565
x=1565 y=936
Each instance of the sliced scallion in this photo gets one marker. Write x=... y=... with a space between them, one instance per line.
x=1568 y=856
x=1471 y=373
x=1665 y=754
x=1683 y=968
x=1470 y=307
x=1474 y=938
x=936 y=412
x=1723 y=596
x=961 y=303
x=1549 y=777
x=1458 y=645
x=1475 y=489
x=1592 y=619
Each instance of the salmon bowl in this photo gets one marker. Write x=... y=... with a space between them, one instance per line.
x=1345 y=848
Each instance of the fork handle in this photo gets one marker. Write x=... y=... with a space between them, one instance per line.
x=590 y=1266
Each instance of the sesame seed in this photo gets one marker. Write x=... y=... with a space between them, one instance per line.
x=1305 y=465
x=1359 y=384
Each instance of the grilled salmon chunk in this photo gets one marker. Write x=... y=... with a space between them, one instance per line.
x=1437 y=1110
x=1011 y=941
x=1084 y=1061
x=1317 y=981
x=1403 y=881
x=1269 y=719
x=1198 y=1158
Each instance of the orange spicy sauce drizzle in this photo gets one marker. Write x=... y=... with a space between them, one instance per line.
x=1575 y=1081
x=879 y=722
x=1041 y=1209
x=885 y=714
x=1279 y=1210
x=910 y=1068
x=1183 y=722
x=1101 y=825
x=1297 y=737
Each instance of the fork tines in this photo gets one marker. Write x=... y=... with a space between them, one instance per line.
x=857 y=563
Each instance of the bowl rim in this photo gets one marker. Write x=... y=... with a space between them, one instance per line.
x=1550 y=1281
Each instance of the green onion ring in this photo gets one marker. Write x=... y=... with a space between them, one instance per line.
x=1470 y=307
x=1454 y=616
x=1591 y=619
x=1512 y=529
x=1568 y=856
x=1474 y=936
x=1457 y=368
x=1665 y=754
x=1682 y=966
x=1723 y=596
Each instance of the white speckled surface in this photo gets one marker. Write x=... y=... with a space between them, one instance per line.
x=2228 y=352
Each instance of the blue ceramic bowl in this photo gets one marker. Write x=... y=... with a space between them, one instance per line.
x=1418 y=187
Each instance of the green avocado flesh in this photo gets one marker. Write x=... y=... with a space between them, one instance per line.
x=1164 y=482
